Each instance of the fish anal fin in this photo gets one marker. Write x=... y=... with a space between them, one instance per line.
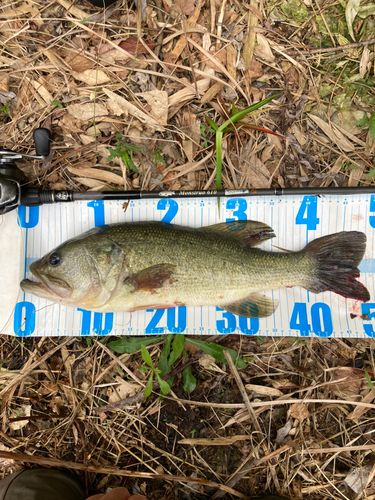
x=249 y=232
x=151 y=278
x=254 y=306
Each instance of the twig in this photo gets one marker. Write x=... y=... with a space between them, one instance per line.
x=333 y=49
x=120 y=363
x=243 y=392
x=41 y=360
x=52 y=462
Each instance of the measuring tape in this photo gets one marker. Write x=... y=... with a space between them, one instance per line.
x=296 y=220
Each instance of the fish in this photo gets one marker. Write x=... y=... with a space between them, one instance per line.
x=128 y=267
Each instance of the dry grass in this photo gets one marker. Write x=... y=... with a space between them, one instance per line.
x=302 y=422
x=89 y=75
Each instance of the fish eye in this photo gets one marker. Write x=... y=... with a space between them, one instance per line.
x=55 y=259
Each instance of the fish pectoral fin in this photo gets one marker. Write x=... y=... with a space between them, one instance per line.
x=248 y=232
x=151 y=278
x=254 y=306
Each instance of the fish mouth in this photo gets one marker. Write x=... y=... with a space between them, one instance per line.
x=46 y=286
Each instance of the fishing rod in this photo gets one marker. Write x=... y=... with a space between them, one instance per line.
x=14 y=193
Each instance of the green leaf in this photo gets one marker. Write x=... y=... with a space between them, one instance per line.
x=217 y=352
x=146 y=356
x=164 y=364
x=189 y=381
x=129 y=345
x=218 y=144
x=372 y=125
x=211 y=123
x=144 y=369
x=371 y=173
x=241 y=114
x=177 y=348
x=363 y=122
x=164 y=386
x=369 y=381
x=148 y=388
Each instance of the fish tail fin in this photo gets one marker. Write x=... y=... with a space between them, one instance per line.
x=337 y=259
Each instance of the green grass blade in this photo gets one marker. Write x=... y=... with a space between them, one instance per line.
x=211 y=123
x=241 y=114
x=218 y=143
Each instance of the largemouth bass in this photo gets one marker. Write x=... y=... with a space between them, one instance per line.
x=133 y=266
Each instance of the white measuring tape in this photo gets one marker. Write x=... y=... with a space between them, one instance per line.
x=296 y=220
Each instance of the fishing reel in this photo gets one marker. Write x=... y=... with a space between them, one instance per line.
x=11 y=177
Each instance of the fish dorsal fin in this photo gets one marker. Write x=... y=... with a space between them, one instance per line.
x=254 y=306
x=249 y=232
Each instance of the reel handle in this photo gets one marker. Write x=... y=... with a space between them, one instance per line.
x=42 y=139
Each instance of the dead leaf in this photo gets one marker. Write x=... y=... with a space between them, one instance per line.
x=208 y=362
x=181 y=43
x=92 y=183
x=87 y=111
x=70 y=125
x=264 y=390
x=365 y=63
x=128 y=107
x=349 y=386
x=158 y=100
x=284 y=431
x=78 y=62
x=357 y=479
x=263 y=50
x=134 y=46
x=336 y=137
x=16 y=426
x=182 y=96
x=361 y=410
x=123 y=391
x=255 y=172
x=184 y=7
x=91 y=77
x=351 y=11
x=299 y=411
x=96 y=173
x=4 y=83
x=42 y=91
x=255 y=69
x=72 y=9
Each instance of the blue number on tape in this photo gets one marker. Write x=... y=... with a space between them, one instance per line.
x=248 y=330
x=181 y=319
x=227 y=324
x=33 y=216
x=152 y=327
x=299 y=320
x=86 y=322
x=372 y=209
x=97 y=327
x=24 y=319
x=321 y=319
x=366 y=310
x=98 y=207
x=309 y=206
x=172 y=207
x=239 y=207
